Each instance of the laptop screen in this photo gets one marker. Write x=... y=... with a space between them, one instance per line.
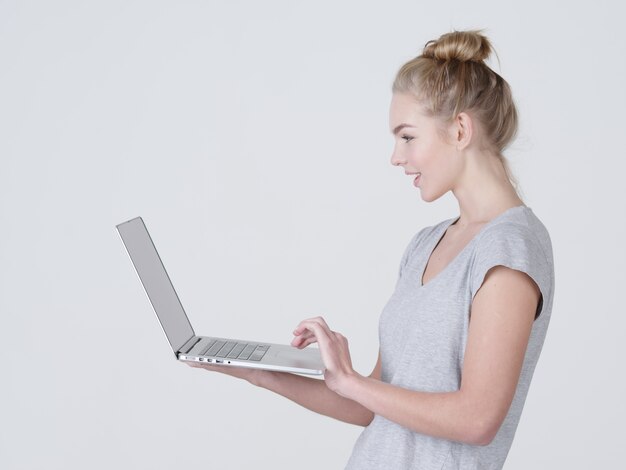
x=156 y=282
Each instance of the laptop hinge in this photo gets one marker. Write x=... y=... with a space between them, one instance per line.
x=188 y=346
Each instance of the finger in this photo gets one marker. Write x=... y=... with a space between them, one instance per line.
x=297 y=341
x=315 y=320
x=300 y=328
x=321 y=321
x=301 y=343
x=305 y=343
x=321 y=333
x=306 y=334
x=309 y=341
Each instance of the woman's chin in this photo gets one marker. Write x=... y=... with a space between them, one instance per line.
x=428 y=196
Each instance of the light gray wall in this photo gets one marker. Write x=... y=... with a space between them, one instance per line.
x=253 y=139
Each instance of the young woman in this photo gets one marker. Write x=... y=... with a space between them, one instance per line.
x=463 y=330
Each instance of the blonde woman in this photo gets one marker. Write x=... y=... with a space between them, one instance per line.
x=463 y=330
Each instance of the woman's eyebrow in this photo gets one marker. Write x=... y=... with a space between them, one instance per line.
x=399 y=127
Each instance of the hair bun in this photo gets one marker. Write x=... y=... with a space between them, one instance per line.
x=464 y=46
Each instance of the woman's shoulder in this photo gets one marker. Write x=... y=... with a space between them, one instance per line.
x=519 y=224
x=520 y=241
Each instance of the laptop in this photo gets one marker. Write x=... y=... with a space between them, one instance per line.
x=187 y=346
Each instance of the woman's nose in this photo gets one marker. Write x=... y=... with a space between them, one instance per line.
x=396 y=160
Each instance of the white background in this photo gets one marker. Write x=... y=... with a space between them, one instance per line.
x=253 y=138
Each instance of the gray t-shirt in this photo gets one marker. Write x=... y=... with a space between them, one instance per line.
x=423 y=333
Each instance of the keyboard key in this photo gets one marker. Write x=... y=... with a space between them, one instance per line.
x=259 y=352
x=211 y=343
x=236 y=351
x=215 y=348
x=226 y=349
x=257 y=355
x=245 y=354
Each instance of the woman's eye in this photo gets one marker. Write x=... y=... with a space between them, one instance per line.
x=407 y=138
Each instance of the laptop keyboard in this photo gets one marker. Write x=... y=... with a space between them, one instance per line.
x=234 y=350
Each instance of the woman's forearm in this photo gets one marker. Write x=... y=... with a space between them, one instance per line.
x=314 y=395
x=446 y=415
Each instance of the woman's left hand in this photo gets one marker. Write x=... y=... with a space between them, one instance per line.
x=333 y=348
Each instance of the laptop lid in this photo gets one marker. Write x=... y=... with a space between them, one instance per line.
x=156 y=282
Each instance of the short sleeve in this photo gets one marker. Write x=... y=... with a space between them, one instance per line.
x=514 y=246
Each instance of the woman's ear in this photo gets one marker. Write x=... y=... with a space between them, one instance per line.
x=463 y=130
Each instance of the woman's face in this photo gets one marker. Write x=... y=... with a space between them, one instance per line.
x=420 y=148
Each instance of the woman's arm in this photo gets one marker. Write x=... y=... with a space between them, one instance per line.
x=502 y=315
x=308 y=392
x=315 y=395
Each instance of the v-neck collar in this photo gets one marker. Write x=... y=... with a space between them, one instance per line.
x=444 y=228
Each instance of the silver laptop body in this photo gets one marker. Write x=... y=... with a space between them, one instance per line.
x=178 y=330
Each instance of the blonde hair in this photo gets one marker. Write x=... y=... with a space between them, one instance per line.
x=450 y=77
